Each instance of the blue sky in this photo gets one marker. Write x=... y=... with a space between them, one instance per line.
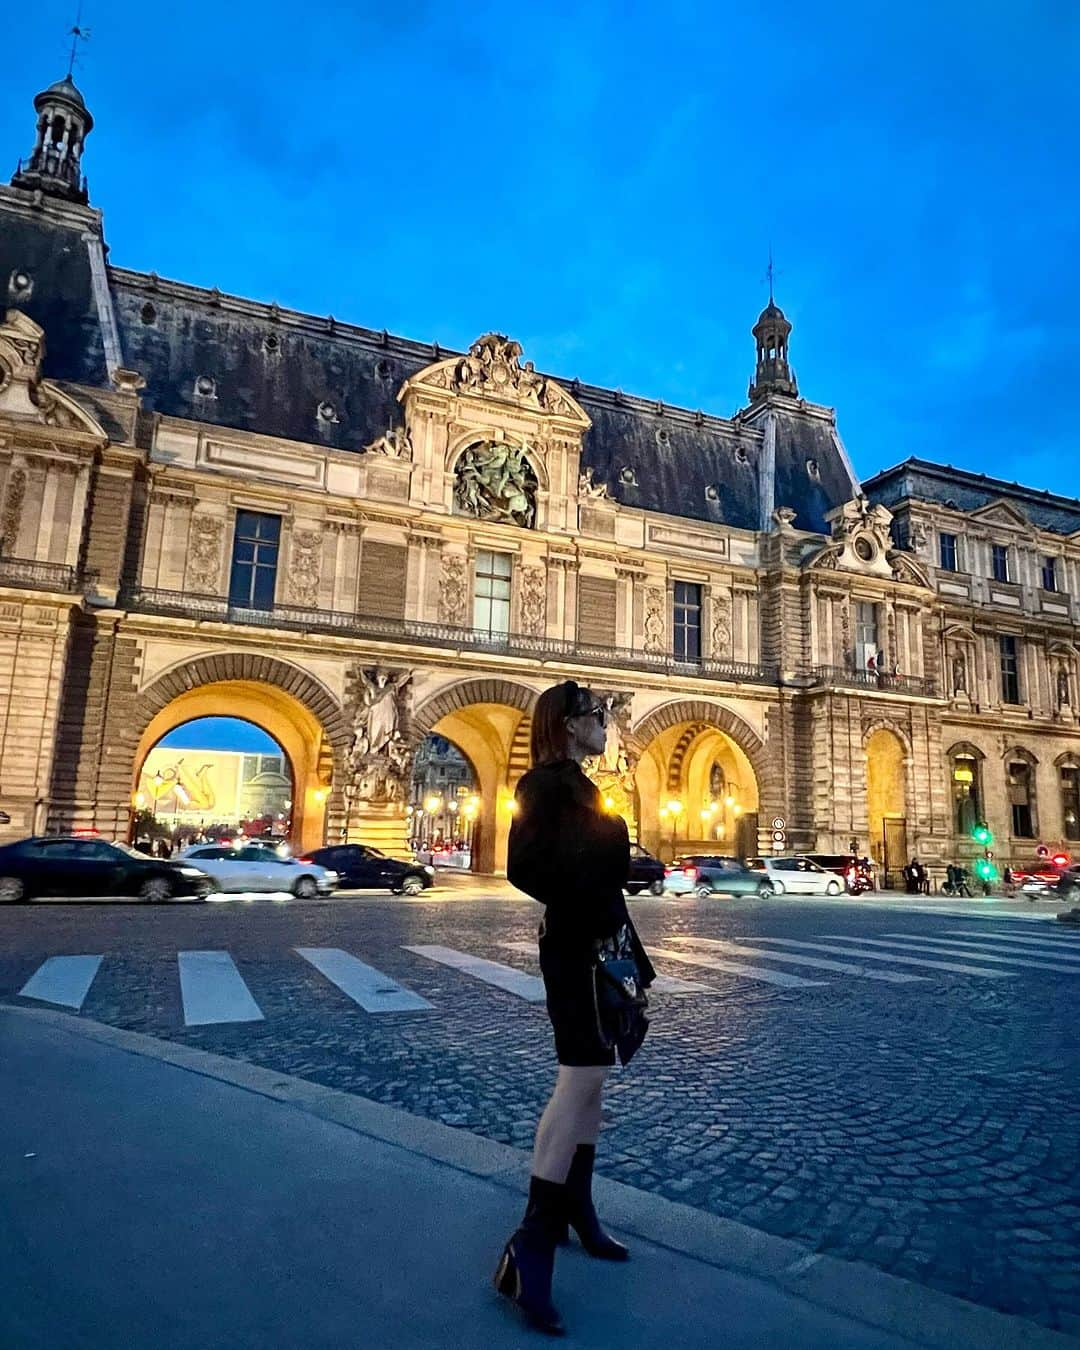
x=221 y=733
x=602 y=181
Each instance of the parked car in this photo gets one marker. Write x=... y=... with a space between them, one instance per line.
x=709 y=874
x=797 y=876
x=857 y=873
x=646 y=872
x=257 y=867
x=86 y=866
x=360 y=867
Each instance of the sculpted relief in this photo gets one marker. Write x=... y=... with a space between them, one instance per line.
x=305 y=558
x=204 y=556
x=495 y=481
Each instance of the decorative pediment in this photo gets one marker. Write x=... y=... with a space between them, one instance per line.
x=1001 y=512
x=23 y=393
x=493 y=369
x=906 y=568
x=959 y=632
x=861 y=539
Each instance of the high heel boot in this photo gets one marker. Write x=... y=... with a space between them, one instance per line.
x=528 y=1260
x=581 y=1214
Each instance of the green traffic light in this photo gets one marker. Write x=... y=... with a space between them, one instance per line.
x=981 y=834
x=985 y=870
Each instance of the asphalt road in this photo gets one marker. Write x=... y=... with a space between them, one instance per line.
x=882 y=1084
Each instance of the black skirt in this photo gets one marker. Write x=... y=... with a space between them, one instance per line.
x=570 y=987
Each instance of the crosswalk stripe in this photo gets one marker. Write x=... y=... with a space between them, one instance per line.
x=366 y=986
x=934 y=949
x=528 y=987
x=663 y=984
x=213 y=990
x=1067 y=965
x=761 y=973
x=818 y=962
x=1061 y=944
x=896 y=959
x=63 y=980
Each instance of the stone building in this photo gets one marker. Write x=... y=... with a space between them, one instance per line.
x=211 y=506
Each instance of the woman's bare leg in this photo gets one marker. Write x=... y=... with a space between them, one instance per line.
x=571 y=1117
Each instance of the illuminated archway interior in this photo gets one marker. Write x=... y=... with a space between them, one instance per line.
x=283 y=718
x=697 y=793
x=444 y=804
x=885 y=796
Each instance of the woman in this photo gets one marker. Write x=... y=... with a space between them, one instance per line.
x=569 y=854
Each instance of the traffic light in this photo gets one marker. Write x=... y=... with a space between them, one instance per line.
x=985 y=870
x=982 y=834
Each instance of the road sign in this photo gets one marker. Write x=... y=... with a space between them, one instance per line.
x=779 y=822
x=779 y=837
x=1042 y=851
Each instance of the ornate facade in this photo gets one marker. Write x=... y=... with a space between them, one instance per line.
x=213 y=506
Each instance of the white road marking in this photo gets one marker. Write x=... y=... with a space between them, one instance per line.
x=737 y=968
x=63 y=980
x=528 y=987
x=1037 y=959
x=1061 y=944
x=212 y=990
x=366 y=986
x=897 y=959
x=842 y=967
x=663 y=984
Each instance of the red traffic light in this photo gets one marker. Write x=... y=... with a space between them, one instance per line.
x=1060 y=860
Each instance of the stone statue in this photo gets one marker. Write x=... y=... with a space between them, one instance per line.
x=378 y=714
x=394 y=443
x=1063 y=687
x=588 y=487
x=959 y=674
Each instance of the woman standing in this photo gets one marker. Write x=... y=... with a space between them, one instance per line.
x=569 y=854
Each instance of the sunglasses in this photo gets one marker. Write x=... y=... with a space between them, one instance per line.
x=597 y=710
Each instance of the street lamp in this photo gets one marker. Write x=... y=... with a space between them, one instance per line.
x=674 y=810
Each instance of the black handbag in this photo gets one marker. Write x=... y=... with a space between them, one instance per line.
x=620 y=1001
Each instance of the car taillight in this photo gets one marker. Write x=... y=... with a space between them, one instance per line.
x=690 y=873
x=305 y=860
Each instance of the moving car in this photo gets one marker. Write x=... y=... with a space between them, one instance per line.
x=709 y=874
x=797 y=876
x=857 y=873
x=86 y=866
x=257 y=867
x=646 y=872
x=1068 y=885
x=360 y=867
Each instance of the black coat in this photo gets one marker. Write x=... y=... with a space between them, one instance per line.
x=574 y=857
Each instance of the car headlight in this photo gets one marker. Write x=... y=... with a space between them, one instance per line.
x=330 y=876
x=191 y=872
x=429 y=870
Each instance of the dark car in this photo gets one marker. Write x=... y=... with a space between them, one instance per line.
x=88 y=867
x=646 y=872
x=361 y=868
x=1068 y=885
x=708 y=874
x=858 y=873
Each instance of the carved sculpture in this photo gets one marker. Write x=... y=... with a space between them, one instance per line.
x=959 y=673
x=379 y=759
x=918 y=535
x=493 y=369
x=204 y=554
x=305 y=558
x=395 y=443
x=23 y=392
x=495 y=481
x=654 y=619
x=533 y=601
x=1063 y=700
x=847 y=655
x=859 y=515
x=13 y=502
x=453 y=590
x=721 y=626
x=784 y=519
x=587 y=487
x=613 y=770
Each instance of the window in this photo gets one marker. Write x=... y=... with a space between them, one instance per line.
x=1018 y=779
x=491 y=593
x=1049 y=574
x=1070 y=800
x=1000 y=562
x=947 y=544
x=687 y=631
x=965 y=791
x=1010 y=678
x=866 y=635
x=255 y=559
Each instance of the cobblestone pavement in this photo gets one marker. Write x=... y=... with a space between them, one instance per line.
x=928 y=1127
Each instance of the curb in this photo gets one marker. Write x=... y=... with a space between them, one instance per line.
x=924 y=1316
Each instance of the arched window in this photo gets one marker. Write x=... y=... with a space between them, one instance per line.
x=965 y=781
x=1069 y=781
x=1020 y=783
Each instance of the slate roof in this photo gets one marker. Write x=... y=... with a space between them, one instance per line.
x=922 y=480
x=272 y=369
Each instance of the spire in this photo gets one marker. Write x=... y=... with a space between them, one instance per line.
x=772 y=330
x=55 y=163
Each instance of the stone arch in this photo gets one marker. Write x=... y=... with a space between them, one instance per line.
x=713 y=714
x=287 y=702
x=886 y=724
x=1019 y=752
x=479 y=436
x=459 y=696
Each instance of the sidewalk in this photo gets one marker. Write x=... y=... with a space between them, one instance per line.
x=159 y=1198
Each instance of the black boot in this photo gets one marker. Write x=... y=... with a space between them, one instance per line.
x=528 y=1261
x=581 y=1213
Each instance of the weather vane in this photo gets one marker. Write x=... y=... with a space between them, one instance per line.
x=78 y=34
x=770 y=274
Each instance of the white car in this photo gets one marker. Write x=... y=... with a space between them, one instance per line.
x=797 y=876
x=258 y=868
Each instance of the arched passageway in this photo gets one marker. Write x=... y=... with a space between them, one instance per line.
x=886 y=799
